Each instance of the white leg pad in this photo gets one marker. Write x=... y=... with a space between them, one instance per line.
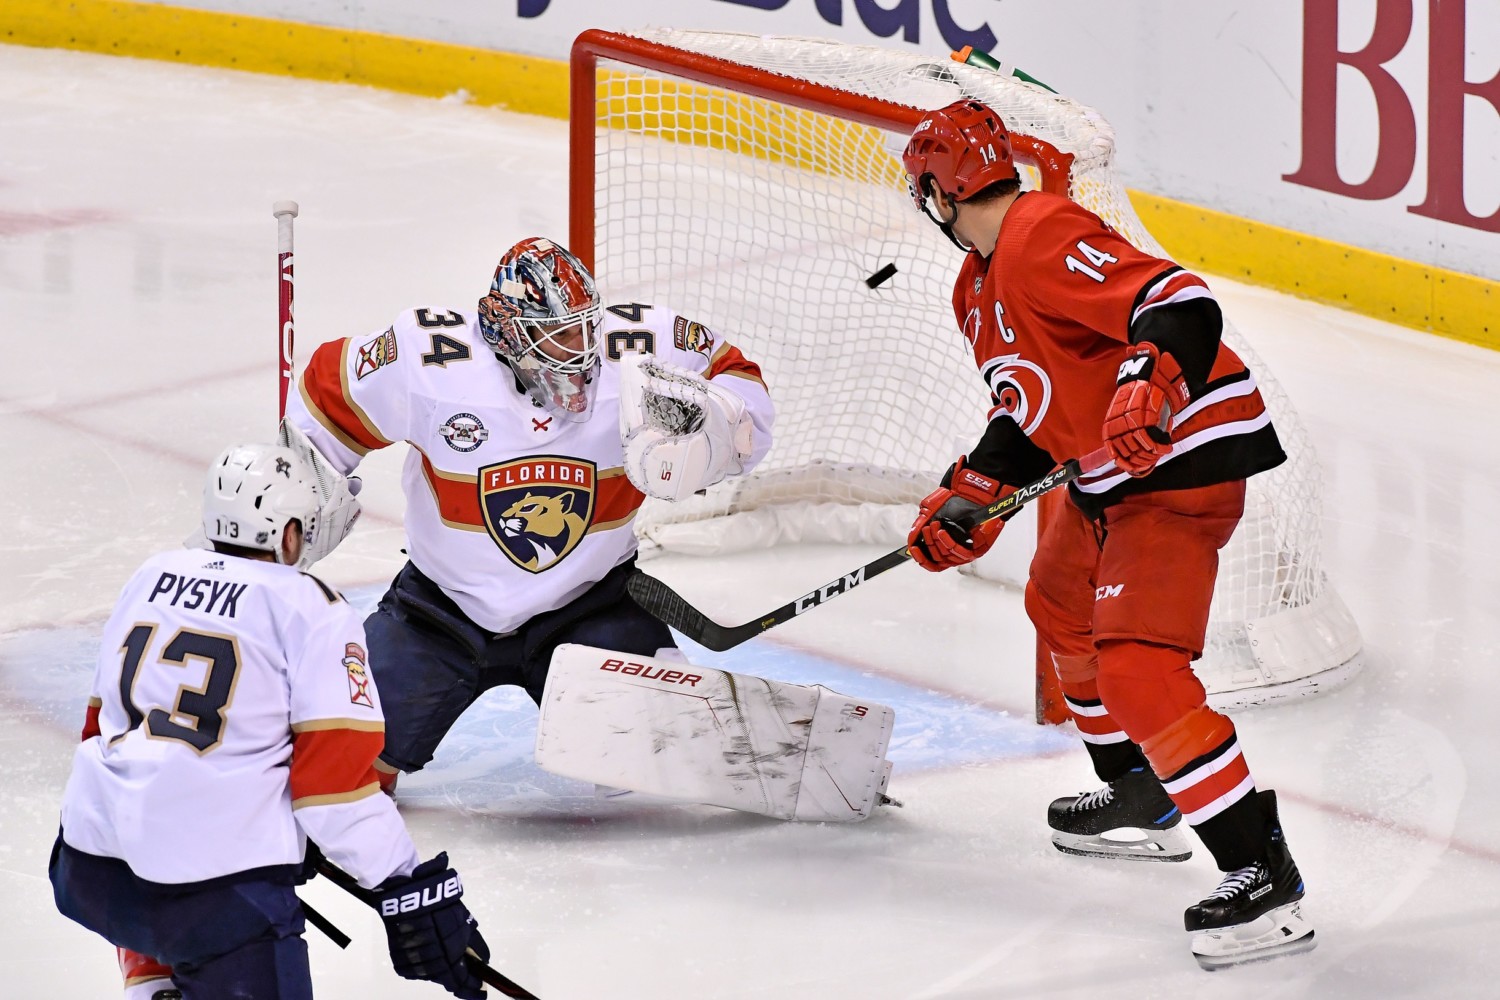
x=694 y=734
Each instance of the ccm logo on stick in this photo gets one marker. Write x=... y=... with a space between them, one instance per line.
x=417 y=899
x=849 y=582
x=650 y=673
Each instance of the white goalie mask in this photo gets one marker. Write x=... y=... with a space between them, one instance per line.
x=541 y=316
x=253 y=491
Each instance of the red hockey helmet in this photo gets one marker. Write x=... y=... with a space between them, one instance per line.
x=964 y=147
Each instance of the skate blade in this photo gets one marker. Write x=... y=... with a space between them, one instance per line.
x=1281 y=932
x=1128 y=843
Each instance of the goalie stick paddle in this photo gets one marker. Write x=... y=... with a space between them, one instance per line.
x=669 y=606
x=503 y=984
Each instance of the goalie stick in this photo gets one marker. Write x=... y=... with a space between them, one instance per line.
x=285 y=212
x=504 y=985
x=669 y=606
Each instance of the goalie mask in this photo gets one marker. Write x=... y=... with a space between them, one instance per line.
x=963 y=149
x=253 y=491
x=541 y=317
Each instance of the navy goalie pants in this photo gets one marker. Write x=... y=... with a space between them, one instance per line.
x=431 y=662
x=237 y=938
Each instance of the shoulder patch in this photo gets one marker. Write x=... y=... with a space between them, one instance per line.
x=333 y=595
x=359 y=675
x=690 y=336
x=376 y=354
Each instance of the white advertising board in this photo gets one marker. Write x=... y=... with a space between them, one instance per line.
x=1374 y=123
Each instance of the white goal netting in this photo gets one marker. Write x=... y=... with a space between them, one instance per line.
x=762 y=211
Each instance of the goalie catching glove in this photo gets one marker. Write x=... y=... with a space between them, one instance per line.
x=937 y=541
x=337 y=507
x=682 y=433
x=1150 y=388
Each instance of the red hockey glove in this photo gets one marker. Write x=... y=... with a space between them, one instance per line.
x=936 y=541
x=1149 y=390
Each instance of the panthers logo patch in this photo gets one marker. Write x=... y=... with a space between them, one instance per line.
x=690 y=336
x=463 y=432
x=375 y=355
x=538 y=509
x=359 y=675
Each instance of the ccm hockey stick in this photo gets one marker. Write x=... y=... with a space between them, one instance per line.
x=504 y=985
x=669 y=606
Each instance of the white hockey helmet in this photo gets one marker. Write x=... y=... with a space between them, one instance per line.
x=252 y=491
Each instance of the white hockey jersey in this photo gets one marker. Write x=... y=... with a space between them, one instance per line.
x=511 y=510
x=232 y=716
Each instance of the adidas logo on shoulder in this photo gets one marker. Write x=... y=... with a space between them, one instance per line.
x=214 y=564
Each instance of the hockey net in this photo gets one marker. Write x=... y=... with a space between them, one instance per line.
x=754 y=184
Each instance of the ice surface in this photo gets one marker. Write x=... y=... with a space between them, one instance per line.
x=137 y=290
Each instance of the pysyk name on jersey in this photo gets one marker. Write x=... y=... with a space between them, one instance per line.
x=191 y=593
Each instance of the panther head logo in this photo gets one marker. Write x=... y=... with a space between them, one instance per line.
x=538 y=509
x=546 y=525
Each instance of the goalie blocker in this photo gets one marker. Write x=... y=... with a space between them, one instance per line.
x=694 y=734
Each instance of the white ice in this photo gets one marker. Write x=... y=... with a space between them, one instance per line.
x=137 y=284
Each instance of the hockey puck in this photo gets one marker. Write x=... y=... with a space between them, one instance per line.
x=881 y=276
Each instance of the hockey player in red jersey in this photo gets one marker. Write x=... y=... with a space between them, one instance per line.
x=1082 y=339
x=234 y=719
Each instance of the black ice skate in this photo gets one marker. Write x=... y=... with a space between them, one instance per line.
x=1131 y=818
x=1256 y=912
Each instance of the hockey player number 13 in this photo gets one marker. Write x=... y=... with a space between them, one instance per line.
x=203 y=705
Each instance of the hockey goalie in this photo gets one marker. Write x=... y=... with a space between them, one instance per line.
x=537 y=425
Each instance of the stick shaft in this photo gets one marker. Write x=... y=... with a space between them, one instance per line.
x=322 y=923
x=669 y=606
x=285 y=212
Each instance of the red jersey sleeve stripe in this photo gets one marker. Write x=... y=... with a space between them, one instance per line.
x=91 y=720
x=617 y=501
x=1179 y=286
x=338 y=762
x=728 y=360
x=456 y=497
x=325 y=390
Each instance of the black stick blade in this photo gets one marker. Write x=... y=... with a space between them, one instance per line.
x=664 y=603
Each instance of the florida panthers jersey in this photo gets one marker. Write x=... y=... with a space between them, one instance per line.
x=1048 y=316
x=232 y=716
x=511 y=509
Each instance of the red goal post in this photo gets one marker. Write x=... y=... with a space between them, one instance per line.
x=754 y=183
x=585 y=86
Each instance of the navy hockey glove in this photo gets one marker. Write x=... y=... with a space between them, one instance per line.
x=429 y=928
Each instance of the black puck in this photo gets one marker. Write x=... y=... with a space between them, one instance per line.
x=881 y=276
